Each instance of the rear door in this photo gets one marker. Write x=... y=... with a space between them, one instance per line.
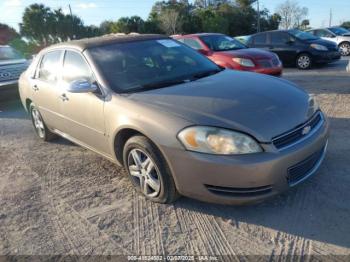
x=83 y=113
x=284 y=46
x=44 y=85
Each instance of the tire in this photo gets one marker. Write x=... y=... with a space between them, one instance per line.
x=304 y=61
x=39 y=125
x=148 y=171
x=344 y=48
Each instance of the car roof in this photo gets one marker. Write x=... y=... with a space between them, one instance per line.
x=86 y=43
x=197 y=34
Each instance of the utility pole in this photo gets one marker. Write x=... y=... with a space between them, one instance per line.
x=71 y=16
x=258 y=28
x=330 y=17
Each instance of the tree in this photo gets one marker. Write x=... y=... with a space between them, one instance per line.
x=291 y=14
x=44 y=26
x=170 y=21
x=346 y=24
x=305 y=24
x=7 y=34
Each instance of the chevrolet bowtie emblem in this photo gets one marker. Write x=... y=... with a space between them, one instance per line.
x=306 y=130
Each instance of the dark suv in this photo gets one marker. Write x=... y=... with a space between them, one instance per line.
x=295 y=47
x=12 y=64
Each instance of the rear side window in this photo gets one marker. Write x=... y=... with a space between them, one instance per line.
x=260 y=39
x=75 y=68
x=49 y=66
x=279 y=38
x=192 y=43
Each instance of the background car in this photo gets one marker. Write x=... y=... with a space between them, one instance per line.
x=338 y=35
x=12 y=64
x=230 y=53
x=295 y=47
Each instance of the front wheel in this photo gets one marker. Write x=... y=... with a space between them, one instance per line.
x=148 y=170
x=40 y=128
x=344 y=49
x=304 y=61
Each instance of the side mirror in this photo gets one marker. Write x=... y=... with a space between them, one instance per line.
x=81 y=86
x=291 y=41
x=203 y=51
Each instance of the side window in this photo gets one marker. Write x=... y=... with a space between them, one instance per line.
x=259 y=39
x=192 y=43
x=279 y=38
x=75 y=68
x=323 y=33
x=49 y=66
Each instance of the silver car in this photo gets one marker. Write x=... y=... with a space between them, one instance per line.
x=177 y=122
x=338 y=35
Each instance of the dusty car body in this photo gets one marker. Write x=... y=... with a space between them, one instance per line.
x=178 y=123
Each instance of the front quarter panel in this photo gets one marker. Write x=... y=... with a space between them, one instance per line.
x=160 y=127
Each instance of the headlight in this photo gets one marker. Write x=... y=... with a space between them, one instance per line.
x=313 y=104
x=319 y=47
x=219 y=141
x=243 y=61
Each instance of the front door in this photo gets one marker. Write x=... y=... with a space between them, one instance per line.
x=284 y=46
x=83 y=113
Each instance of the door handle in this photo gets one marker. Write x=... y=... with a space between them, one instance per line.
x=35 y=88
x=63 y=97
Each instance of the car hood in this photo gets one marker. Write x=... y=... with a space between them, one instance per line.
x=252 y=53
x=260 y=105
x=13 y=61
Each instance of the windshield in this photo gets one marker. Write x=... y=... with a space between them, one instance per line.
x=8 y=53
x=222 y=43
x=149 y=64
x=339 y=30
x=302 y=35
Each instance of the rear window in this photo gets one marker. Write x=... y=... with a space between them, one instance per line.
x=260 y=39
x=49 y=66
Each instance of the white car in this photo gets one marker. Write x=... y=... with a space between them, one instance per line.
x=338 y=35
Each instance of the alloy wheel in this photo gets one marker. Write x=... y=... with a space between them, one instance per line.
x=344 y=49
x=144 y=172
x=38 y=123
x=304 y=61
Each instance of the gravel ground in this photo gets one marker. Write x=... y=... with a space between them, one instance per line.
x=58 y=198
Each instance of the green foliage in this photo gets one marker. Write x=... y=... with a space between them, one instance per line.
x=346 y=24
x=182 y=17
x=44 y=26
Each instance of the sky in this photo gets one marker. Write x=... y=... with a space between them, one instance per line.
x=96 y=11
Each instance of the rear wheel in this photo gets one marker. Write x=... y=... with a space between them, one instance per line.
x=40 y=128
x=304 y=61
x=148 y=170
x=344 y=49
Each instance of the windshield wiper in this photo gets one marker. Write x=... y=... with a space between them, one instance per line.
x=161 y=84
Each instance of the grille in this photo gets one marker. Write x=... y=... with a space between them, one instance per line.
x=301 y=170
x=11 y=72
x=298 y=133
x=239 y=192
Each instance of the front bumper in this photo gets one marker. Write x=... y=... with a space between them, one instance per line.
x=245 y=178
x=325 y=56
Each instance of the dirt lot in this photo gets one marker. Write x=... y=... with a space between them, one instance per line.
x=58 y=198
